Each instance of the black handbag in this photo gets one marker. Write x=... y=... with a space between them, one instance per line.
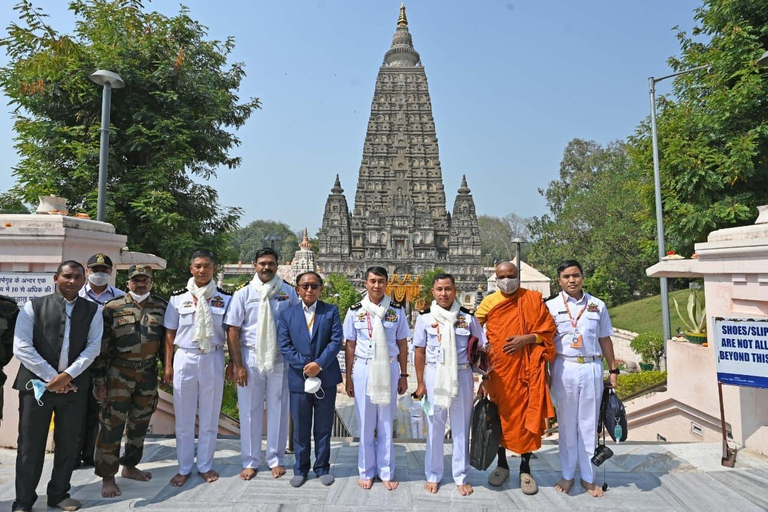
x=485 y=434
x=614 y=416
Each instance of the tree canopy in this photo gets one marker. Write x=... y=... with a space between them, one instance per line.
x=265 y=233
x=339 y=291
x=171 y=126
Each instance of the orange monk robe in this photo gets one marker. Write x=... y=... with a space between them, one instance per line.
x=518 y=382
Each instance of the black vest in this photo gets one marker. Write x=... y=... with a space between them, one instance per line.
x=48 y=334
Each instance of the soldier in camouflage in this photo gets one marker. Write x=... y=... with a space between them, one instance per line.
x=8 y=313
x=126 y=378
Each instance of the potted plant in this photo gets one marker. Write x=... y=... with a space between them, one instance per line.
x=696 y=321
x=649 y=346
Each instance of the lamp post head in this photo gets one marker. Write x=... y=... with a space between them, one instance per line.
x=763 y=60
x=518 y=240
x=103 y=77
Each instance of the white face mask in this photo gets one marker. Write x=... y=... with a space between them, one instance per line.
x=508 y=285
x=313 y=385
x=139 y=298
x=98 y=278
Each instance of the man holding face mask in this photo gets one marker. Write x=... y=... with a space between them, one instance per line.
x=125 y=378
x=520 y=331
x=310 y=338
x=97 y=289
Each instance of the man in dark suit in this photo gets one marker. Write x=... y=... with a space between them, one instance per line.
x=310 y=337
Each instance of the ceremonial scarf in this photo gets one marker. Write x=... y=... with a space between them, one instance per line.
x=266 y=345
x=379 y=386
x=203 y=318
x=447 y=371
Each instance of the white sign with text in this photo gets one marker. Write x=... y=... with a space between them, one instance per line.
x=741 y=351
x=23 y=286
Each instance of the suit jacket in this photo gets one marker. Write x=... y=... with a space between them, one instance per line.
x=299 y=349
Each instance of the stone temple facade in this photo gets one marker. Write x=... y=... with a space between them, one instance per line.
x=400 y=220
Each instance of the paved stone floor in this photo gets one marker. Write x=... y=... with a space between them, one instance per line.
x=649 y=477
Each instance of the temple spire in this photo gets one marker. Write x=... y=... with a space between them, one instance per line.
x=337 y=186
x=402 y=21
x=464 y=189
x=305 y=243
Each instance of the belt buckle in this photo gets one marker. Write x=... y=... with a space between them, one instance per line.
x=581 y=359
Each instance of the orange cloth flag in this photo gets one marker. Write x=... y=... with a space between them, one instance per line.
x=518 y=383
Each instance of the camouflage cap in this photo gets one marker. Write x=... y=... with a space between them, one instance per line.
x=139 y=270
x=99 y=260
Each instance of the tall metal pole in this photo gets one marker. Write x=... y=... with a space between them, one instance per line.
x=659 y=216
x=106 y=102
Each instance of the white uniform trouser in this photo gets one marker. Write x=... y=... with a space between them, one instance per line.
x=578 y=391
x=460 y=417
x=250 y=400
x=198 y=380
x=417 y=427
x=374 y=456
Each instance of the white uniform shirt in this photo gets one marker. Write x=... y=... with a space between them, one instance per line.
x=426 y=330
x=244 y=310
x=593 y=324
x=25 y=351
x=180 y=317
x=358 y=326
x=109 y=293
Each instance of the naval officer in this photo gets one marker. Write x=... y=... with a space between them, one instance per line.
x=194 y=322
x=441 y=337
x=376 y=333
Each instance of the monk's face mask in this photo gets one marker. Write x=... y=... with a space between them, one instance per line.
x=508 y=284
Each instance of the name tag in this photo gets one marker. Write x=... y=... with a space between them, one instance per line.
x=440 y=355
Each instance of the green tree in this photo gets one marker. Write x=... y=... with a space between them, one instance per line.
x=713 y=136
x=594 y=211
x=255 y=235
x=495 y=236
x=172 y=126
x=11 y=203
x=425 y=285
x=340 y=292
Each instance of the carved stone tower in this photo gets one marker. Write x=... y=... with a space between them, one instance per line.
x=400 y=220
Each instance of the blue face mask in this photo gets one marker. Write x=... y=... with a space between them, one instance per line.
x=426 y=406
x=39 y=388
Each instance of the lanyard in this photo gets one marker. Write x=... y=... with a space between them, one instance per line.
x=570 y=317
x=311 y=322
x=439 y=336
x=370 y=327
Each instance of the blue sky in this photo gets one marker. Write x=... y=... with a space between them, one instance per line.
x=511 y=83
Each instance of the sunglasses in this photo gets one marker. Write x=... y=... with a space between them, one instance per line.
x=314 y=286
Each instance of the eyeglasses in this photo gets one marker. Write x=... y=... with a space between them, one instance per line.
x=314 y=286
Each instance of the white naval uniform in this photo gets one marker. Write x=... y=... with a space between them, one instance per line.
x=578 y=387
x=198 y=379
x=243 y=312
x=417 y=420
x=375 y=457
x=425 y=334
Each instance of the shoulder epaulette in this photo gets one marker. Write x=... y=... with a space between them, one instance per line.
x=424 y=311
x=551 y=296
x=179 y=292
x=241 y=286
x=357 y=306
x=395 y=304
x=222 y=290
x=465 y=310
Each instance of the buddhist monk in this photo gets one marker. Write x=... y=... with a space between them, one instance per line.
x=520 y=334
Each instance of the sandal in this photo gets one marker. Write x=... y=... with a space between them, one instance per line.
x=498 y=476
x=528 y=484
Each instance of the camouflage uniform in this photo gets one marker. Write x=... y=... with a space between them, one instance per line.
x=128 y=365
x=8 y=313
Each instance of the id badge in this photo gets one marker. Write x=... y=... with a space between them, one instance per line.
x=576 y=340
x=440 y=355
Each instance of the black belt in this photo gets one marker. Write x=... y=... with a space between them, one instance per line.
x=142 y=364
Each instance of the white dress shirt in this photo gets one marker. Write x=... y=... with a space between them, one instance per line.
x=309 y=315
x=25 y=351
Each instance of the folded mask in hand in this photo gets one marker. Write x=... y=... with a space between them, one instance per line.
x=38 y=387
x=313 y=385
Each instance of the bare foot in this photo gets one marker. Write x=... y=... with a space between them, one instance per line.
x=135 y=473
x=592 y=489
x=390 y=485
x=278 y=471
x=465 y=489
x=431 y=487
x=564 y=485
x=210 y=476
x=247 y=474
x=109 y=488
x=179 y=480
x=365 y=484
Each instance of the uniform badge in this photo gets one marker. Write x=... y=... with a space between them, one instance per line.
x=390 y=316
x=282 y=296
x=361 y=315
x=187 y=304
x=461 y=322
x=592 y=307
x=217 y=301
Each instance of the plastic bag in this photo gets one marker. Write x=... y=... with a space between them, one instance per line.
x=485 y=434
x=614 y=415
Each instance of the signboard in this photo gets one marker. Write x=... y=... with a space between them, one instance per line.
x=741 y=351
x=23 y=286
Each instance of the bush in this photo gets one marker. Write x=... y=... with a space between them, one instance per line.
x=633 y=382
x=649 y=345
x=229 y=402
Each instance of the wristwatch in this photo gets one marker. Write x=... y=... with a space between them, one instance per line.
x=404 y=375
x=615 y=370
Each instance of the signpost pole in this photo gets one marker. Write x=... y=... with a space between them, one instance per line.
x=729 y=454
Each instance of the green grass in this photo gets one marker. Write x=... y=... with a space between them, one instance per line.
x=645 y=314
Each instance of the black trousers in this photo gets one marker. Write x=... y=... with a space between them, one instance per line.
x=34 y=421
x=89 y=431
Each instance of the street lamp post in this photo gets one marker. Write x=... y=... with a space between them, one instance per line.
x=109 y=81
x=519 y=242
x=657 y=192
